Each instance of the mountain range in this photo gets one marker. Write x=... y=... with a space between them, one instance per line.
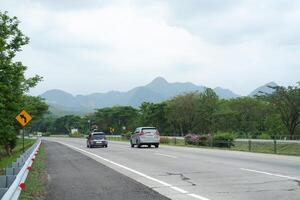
x=156 y=91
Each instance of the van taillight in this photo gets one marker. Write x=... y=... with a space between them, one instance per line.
x=157 y=133
x=141 y=133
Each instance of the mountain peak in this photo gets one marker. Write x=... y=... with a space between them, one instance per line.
x=56 y=92
x=159 y=80
x=272 y=83
x=264 y=89
x=225 y=93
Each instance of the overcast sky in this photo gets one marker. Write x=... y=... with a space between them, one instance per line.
x=86 y=46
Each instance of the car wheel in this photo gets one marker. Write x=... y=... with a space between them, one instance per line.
x=157 y=145
x=132 y=145
x=87 y=145
x=105 y=146
x=138 y=144
x=149 y=145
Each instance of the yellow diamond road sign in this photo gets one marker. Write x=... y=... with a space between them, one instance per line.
x=23 y=118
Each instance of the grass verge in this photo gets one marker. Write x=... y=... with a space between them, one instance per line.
x=37 y=178
x=6 y=160
x=257 y=147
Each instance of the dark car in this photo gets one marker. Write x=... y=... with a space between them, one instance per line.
x=96 y=139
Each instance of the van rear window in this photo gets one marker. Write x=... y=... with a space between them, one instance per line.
x=149 y=130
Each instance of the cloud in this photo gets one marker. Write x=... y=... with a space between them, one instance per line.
x=93 y=46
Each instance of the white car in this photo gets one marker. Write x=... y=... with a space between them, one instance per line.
x=145 y=136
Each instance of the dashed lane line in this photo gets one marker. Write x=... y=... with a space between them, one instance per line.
x=271 y=174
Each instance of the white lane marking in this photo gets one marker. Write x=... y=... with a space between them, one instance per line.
x=138 y=173
x=271 y=174
x=198 y=197
x=170 y=156
x=179 y=190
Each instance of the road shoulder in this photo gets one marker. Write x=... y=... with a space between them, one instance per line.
x=72 y=175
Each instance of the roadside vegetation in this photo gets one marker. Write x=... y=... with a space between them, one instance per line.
x=200 y=117
x=6 y=160
x=37 y=178
x=254 y=146
x=14 y=86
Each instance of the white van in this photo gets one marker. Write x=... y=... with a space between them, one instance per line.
x=145 y=136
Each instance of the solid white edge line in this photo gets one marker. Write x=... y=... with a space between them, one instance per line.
x=271 y=174
x=137 y=172
x=198 y=197
x=179 y=190
x=170 y=156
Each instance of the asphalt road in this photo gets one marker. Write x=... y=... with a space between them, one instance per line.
x=74 y=176
x=196 y=173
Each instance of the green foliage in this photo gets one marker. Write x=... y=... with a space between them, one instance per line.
x=6 y=160
x=274 y=126
x=224 y=140
x=36 y=182
x=63 y=125
x=13 y=84
x=181 y=112
x=202 y=113
x=127 y=135
x=42 y=124
x=251 y=114
x=264 y=136
x=165 y=140
x=152 y=114
x=46 y=134
x=286 y=101
x=75 y=134
x=206 y=110
x=116 y=117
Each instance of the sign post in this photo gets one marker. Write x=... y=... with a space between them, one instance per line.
x=23 y=118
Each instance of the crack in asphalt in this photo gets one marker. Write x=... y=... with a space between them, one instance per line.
x=297 y=181
x=184 y=178
x=249 y=191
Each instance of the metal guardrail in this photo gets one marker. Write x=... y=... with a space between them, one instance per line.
x=13 y=182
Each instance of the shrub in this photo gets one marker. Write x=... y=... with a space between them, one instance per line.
x=47 y=134
x=126 y=135
x=195 y=139
x=224 y=140
x=76 y=134
x=264 y=136
x=164 y=140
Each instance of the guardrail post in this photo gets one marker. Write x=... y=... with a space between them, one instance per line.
x=275 y=146
x=250 y=145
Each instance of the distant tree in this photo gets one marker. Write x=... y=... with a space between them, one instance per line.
x=181 y=112
x=251 y=114
x=63 y=125
x=206 y=109
x=13 y=83
x=226 y=119
x=286 y=100
x=36 y=107
x=116 y=117
x=44 y=124
x=274 y=126
x=154 y=114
